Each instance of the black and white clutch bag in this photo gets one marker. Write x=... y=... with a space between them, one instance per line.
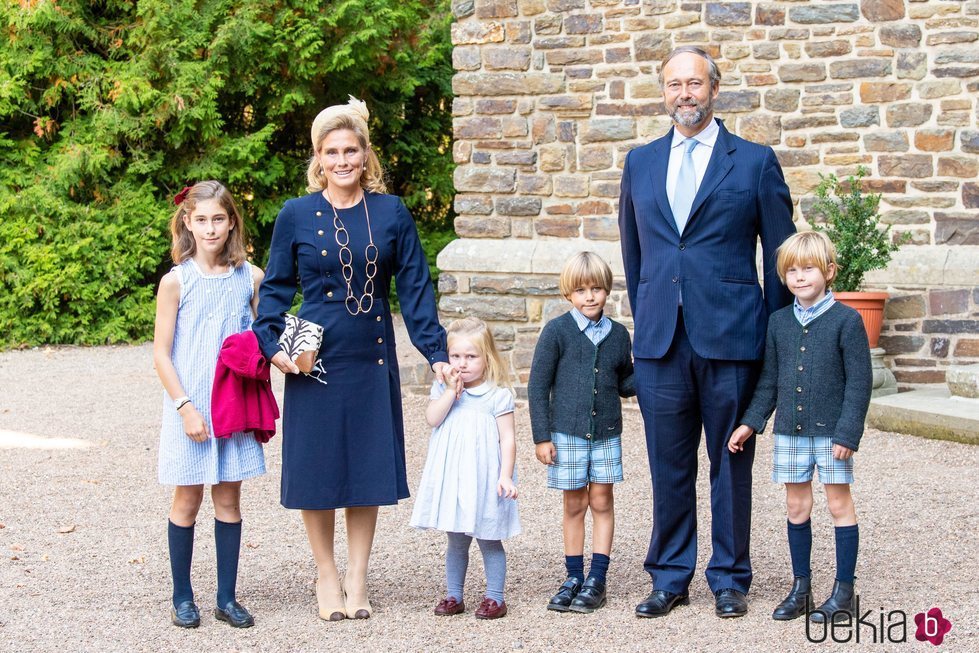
x=301 y=341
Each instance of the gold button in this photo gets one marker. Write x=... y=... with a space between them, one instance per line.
x=329 y=293
x=800 y=368
x=799 y=389
x=319 y=213
x=803 y=348
x=596 y=390
x=380 y=361
x=378 y=318
x=588 y=435
x=323 y=253
x=594 y=412
x=380 y=340
x=799 y=408
x=596 y=370
x=319 y=233
x=798 y=427
x=805 y=330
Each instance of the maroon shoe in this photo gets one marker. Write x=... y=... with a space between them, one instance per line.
x=490 y=609
x=449 y=606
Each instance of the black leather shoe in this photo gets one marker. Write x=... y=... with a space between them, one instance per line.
x=730 y=603
x=235 y=614
x=590 y=597
x=797 y=603
x=185 y=615
x=561 y=602
x=838 y=607
x=660 y=602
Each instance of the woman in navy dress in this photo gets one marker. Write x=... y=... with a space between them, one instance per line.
x=343 y=440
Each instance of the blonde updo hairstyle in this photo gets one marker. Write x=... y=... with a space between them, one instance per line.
x=352 y=116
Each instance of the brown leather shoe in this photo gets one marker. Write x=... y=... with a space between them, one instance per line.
x=490 y=609
x=449 y=606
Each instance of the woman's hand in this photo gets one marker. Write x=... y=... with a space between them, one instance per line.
x=282 y=361
x=194 y=425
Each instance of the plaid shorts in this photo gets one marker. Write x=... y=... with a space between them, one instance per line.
x=581 y=461
x=796 y=456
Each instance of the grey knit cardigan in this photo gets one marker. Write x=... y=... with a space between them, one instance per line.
x=816 y=377
x=574 y=386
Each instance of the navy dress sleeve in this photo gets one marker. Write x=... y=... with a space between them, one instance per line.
x=278 y=289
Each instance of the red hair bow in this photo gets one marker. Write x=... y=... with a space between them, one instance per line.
x=182 y=195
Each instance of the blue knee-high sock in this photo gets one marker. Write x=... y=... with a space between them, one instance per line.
x=800 y=547
x=847 y=543
x=575 y=566
x=494 y=563
x=227 y=543
x=181 y=543
x=599 y=566
x=456 y=564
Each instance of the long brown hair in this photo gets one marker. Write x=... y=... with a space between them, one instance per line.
x=184 y=246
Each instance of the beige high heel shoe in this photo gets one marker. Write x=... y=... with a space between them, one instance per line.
x=357 y=605
x=330 y=603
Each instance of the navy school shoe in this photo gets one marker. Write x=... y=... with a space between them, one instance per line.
x=234 y=614
x=561 y=602
x=185 y=615
x=590 y=597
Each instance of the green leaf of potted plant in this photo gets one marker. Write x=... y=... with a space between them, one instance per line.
x=851 y=220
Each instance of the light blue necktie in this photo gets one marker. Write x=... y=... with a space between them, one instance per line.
x=686 y=186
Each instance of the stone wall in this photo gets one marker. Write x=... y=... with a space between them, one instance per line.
x=552 y=94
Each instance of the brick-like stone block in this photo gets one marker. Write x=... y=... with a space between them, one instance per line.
x=581 y=102
x=953 y=230
x=901 y=344
x=907 y=165
x=548 y=25
x=796 y=158
x=965 y=167
x=463 y=8
x=534 y=184
x=939 y=348
x=970 y=195
x=919 y=376
x=519 y=31
x=593 y=207
x=884 y=92
x=495 y=84
x=653 y=46
x=765 y=51
x=909 y=114
x=474 y=128
x=944 y=38
x=473 y=204
x=514 y=127
x=727 y=14
x=822 y=14
x=934 y=140
x=480 y=179
x=506 y=58
x=602 y=228
x=565 y=5
x=737 y=101
x=761 y=128
x=900 y=36
x=782 y=100
x=496 y=8
x=553 y=158
x=948 y=302
x=882 y=10
x=613 y=129
x=912 y=65
x=802 y=72
x=594 y=157
x=466 y=58
x=905 y=307
x=517 y=158
x=482 y=157
x=482 y=226
x=448 y=283
x=473 y=32
x=518 y=205
x=564 y=226
x=485 y=307
x=514 y=285
x=905 y=216
x=571 y=186
x=859 y=117
x=461 y=151
x=818 y=49
x=808 y=122
x=583 y=24
x=495 y=106
x=860 y=68
x=969 y=140
x=573 y=57
x=950 y=326
x=769 y=14
x=966 y=348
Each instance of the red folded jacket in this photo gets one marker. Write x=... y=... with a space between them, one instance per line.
x=241 y=398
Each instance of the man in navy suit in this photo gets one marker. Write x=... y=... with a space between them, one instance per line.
x=693 y=205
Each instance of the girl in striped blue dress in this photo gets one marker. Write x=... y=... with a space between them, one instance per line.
x=210 y=294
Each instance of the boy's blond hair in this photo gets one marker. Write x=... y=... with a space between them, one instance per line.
x=585 y=268
x=475 y=331
x=808 y=248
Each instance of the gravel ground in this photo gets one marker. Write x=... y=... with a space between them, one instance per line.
x=83 y=538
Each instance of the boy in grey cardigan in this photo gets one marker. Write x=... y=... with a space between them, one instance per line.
x=582 y=365
x=817 y=376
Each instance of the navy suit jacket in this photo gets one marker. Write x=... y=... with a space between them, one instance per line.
x=742 y=197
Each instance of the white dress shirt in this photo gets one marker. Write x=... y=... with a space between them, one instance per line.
x=701 y=155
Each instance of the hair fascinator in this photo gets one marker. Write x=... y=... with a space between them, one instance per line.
x=182 y=195
x=356 y=109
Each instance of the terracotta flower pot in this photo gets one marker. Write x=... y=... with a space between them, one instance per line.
x=870 y=305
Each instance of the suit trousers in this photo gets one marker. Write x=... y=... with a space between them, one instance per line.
x=679 y=395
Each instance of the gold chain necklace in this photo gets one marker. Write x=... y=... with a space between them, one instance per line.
x=355 y=305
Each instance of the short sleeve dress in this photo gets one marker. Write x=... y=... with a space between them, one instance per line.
x=212 y=307
x=457 y=492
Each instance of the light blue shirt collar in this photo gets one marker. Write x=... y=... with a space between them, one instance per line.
x=807 y=315
x=595 y=331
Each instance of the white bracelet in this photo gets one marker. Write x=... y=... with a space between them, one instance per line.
x=181 y=402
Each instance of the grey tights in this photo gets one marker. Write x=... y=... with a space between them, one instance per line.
x=457 y=561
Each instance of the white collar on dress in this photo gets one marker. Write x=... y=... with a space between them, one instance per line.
x=481 y=389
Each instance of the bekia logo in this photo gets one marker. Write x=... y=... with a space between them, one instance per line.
x=880 y=627
x=932 y=626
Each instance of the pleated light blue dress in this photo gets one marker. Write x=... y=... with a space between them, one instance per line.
x=457 y=492
x=212 y=307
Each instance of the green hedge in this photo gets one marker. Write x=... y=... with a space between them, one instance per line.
x=108 y=108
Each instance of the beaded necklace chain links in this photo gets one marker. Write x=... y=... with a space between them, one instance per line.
x=353 y=304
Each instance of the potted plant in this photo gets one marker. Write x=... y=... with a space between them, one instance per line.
x=850 y=218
